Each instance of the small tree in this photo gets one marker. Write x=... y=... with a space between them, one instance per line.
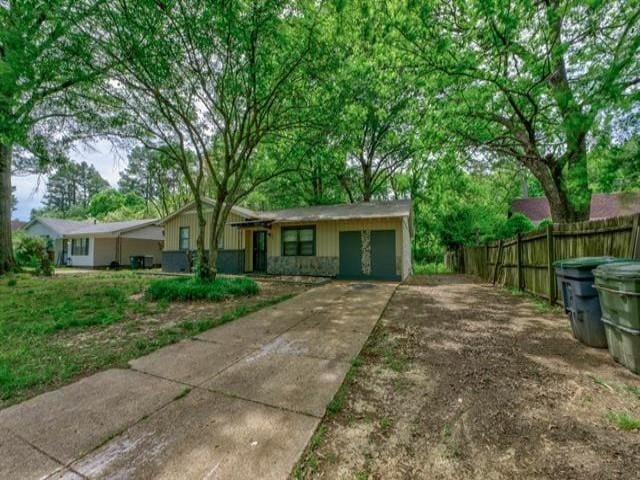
x=206 y=83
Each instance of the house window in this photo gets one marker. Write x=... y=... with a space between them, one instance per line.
x=298 y=241
x=79 y=246
x=184 y=238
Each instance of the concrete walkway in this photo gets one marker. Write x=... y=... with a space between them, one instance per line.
x=239 y=401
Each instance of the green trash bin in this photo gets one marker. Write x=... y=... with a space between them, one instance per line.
x=618 y=286
x=580 y=299
x=136 y=262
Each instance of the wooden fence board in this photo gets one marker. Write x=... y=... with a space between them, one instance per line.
x=525 y=262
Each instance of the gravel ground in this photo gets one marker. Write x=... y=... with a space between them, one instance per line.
x=463 y=381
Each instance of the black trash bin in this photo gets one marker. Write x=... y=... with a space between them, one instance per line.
x=581 y=302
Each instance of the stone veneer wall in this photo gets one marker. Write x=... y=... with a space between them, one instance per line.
x=318 y=266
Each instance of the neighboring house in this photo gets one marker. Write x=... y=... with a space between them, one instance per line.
x=361 y=240
x=53 y=229
x=17 y=225
x=607 y=205
x=89 y=244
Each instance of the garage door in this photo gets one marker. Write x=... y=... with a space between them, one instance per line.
x=383 y=255
x=350 y=254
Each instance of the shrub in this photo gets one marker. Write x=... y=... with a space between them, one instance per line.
x=31 y=251
x=187 y=288
x=545 y=223
x=516 y=223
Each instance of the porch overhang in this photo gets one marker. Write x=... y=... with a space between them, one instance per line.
x=252 y=224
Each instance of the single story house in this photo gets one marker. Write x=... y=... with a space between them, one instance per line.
x=603 y=205
x=369 y=240
x=94 y=244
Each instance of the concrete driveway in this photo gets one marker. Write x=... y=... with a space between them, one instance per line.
x=239 y=401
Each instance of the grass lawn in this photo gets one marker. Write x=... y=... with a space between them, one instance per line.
x=54 y=330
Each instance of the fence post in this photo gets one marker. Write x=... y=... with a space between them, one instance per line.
x=519 y=260
x=634 y=248
x=550 y=260
x=495 y=267
x=485 y=265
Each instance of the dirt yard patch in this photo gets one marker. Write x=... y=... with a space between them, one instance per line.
x=460 y=380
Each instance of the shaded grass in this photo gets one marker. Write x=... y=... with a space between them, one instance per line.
x=50 y=328
x=187 y=288
x=430 y=269
x=540 y=305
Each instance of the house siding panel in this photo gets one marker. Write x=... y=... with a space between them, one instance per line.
x=233 y=236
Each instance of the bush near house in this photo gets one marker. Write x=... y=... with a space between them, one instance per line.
x=188 y=288
x=33 y=252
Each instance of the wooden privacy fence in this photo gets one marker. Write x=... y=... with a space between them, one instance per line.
x=526 y=261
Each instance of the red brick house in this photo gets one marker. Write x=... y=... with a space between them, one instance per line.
x=603 y=205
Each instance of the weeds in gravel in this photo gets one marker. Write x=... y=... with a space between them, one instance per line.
x=624 y=420
x=336 y=404
x=394 y=361
x=600 y=382
x=183 y=393
x=541 y=306
x=385 y=423
x=633 y=391
x=310 y=463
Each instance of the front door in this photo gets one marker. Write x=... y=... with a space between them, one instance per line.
x=259 y=251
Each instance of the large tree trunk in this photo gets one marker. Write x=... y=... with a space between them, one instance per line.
x=7 y=263
x=214 y=235
x=554 y=183
x=367 y=182
x=201 y=266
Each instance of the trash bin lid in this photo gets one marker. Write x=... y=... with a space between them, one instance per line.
x=629 y=270
x=586 y=262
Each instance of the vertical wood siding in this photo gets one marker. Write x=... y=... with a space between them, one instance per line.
x=233 y=236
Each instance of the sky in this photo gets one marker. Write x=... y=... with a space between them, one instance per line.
x=30 y=189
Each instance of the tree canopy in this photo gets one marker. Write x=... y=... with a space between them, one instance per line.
x=461 y=106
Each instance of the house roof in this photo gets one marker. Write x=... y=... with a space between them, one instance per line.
x=88 y=227
x=111 y=228
x=603 y=205
x=17 y=224
x=346 y=211
x=59 y=225
x=536 y=208
x=241 y=211
x=614 y=205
